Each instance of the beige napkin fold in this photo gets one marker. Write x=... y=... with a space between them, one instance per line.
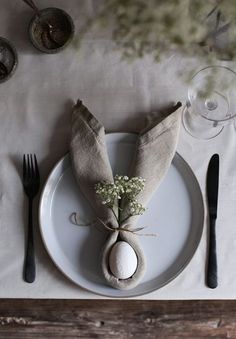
x=90 y=159
x=155 y=149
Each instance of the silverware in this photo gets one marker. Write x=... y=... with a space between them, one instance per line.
x=50 y=32
x=212 y=196
x=31 y=183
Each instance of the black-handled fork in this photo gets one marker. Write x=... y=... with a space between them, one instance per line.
x=31 y=183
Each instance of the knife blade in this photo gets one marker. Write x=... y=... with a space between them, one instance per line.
x=212 y=196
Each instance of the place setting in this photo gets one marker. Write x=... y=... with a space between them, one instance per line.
x=64 y=203
x=120 y=214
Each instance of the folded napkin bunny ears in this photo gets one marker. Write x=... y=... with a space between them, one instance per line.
x=155 y=148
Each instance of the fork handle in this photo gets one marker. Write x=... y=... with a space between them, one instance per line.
x=29 y=267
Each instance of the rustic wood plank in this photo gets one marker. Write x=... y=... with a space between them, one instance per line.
x=117 y=319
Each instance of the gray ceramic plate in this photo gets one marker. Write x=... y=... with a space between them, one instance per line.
x=175 y=212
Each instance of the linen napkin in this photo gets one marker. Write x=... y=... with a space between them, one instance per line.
x=155 y=149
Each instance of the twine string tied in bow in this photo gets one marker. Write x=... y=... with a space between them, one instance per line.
x=74 y=218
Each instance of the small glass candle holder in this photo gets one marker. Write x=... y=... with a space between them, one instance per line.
x=8 y=59
x=51 y=30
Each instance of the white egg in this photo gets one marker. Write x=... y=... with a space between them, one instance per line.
x=122 y=260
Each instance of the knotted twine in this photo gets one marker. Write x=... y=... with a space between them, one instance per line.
x=74 y=218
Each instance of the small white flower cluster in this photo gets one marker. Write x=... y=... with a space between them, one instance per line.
x=108 y=192
x=157 y=27
x=123 y=187
x=136 y=208
x=131 y=187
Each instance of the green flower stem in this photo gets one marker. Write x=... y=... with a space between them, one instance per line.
x=114 y=214
x=119 y=210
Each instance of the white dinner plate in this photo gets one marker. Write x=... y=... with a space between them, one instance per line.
x=175 y=213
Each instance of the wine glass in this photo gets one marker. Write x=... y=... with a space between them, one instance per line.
x=211 y=102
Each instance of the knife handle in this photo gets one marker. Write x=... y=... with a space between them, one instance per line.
x=212 y=258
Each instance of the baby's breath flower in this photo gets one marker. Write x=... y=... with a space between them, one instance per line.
x=134 y=186
x=123 y=187
x=136 y=208
x=155 y=27
x=108 y=192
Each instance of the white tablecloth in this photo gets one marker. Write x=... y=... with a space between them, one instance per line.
x=35 y=112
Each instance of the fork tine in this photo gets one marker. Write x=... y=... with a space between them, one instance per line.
x=36 y=167
x=32 y=166
x=28 y=167
x=24 y=168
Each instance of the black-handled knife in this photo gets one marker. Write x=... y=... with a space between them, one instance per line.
x=212 y=196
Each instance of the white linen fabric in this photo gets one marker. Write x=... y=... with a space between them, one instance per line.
x=35 y=112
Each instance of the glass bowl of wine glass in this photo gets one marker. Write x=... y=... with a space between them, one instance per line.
x=211 y=102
